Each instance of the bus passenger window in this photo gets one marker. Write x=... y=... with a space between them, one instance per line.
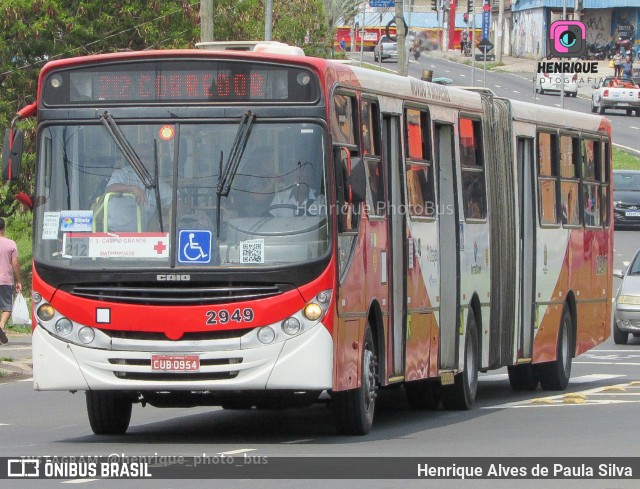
x=568 y=181
x=370 y=131
x=420 y=191
x=370 y=135
x=342 y=119
x=591 y=187
x=547 y=177
x=471 y=161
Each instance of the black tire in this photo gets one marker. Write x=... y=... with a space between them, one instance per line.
x=600 y=110
x=541 y=91
x=461 y=395
x=554 y=376
x=637 y=112
x=354 y=410
x=523 y=377
x=629 y=112
x=620 y=337
x=593 y=107
x=109 y=412
x=422 y=395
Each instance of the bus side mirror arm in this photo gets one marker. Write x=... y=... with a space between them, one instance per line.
x=13 y=143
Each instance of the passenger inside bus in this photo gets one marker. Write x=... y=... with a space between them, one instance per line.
x=126 y=193
x=299 y=198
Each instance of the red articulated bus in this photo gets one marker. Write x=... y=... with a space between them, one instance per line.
x=251 y=229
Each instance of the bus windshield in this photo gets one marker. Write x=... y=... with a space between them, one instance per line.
x=95 y=210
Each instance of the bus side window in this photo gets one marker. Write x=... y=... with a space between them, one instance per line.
x=604 y=179
x=569 y=183
x=370 y=136
x=547 y=177
x=343 y=123
x=419 y=167
x=591 y=188
x=342 y=118
x=472 y=164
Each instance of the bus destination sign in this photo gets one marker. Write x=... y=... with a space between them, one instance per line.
x=177 y=81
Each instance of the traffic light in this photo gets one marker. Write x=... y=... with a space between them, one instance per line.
x=434 y=5
x=470 y=6
x=465 y=18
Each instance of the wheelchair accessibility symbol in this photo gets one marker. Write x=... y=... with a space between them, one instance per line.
x=194 y=246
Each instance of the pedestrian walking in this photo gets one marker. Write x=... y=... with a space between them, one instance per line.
x=9 y=269
x=617 y=64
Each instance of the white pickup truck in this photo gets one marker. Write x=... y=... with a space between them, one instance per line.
x=616 y=93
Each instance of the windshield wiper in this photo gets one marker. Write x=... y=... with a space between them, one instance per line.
x=235 y=154
x=129 y=153
x=226 y=176
x=156 y=184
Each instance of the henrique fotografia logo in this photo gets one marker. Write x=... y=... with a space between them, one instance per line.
x=567 y=39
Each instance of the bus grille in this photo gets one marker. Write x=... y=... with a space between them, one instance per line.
x=190 y=336
x=152 y=294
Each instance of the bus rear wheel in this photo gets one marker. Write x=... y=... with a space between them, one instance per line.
x=354 y=409
x=461 y=395
x=109 y=412
x=554 y=376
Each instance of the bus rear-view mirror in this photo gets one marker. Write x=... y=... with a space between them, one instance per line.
x=12 y=154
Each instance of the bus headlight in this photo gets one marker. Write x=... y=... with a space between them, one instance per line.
x=86 y=335
x=312 y=311
x=291 y=326
x=46 y=312
x=63 y=326
x=266 y=335
x=36 y=297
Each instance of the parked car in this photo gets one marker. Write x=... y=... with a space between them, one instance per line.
x=626 y=311
x=626 y=198
x=385 y=49
x=616 y=93
x=552 y=82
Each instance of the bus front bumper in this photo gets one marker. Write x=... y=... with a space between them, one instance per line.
x=303 y=362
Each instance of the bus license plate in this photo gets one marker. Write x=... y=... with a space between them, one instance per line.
x=175 y=363
x=632 y=214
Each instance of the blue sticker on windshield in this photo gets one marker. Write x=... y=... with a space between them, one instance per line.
x=194 y=246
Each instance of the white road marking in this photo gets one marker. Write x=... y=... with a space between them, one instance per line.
x=297 y=441
x=583 y=379
x=516 y=91
x=463 y=76
x=557 y=105
x=30 y=379
x=4 y=424
x=240 y=450
x=607 y=363
x=79 y=481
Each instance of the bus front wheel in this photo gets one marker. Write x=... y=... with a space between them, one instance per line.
x=109 y=412
x=354 y=409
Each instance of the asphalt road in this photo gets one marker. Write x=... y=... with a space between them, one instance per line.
x=519 y=86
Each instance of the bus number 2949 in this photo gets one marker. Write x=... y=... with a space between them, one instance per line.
x=223 y=316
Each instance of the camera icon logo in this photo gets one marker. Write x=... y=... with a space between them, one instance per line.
x=567 y=39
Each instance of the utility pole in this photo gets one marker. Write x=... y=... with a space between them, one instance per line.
x=402 y=35
x=499 y=33
x=206 y=20
x=268 y=20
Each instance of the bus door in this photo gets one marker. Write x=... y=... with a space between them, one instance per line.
x=526 y=179
x=397 y=240
x=449 y=241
